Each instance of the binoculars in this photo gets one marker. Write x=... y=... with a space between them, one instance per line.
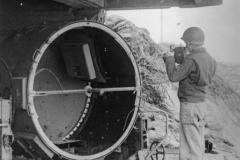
x=179 y=54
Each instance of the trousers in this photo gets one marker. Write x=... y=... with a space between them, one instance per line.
x=192 y=122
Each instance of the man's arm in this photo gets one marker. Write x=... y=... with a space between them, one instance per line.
x=176 y=74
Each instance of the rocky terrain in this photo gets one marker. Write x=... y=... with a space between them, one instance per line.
x=223 y=126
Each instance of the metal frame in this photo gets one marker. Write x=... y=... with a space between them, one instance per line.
x=7 y=137
x=160 y=141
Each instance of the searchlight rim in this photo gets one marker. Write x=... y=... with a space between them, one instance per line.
x=31 y=108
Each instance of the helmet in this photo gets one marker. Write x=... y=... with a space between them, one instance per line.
x=193 y=35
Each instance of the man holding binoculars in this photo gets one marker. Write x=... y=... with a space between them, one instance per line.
x=194 y=75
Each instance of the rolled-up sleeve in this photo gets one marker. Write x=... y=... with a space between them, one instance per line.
x=177 y=73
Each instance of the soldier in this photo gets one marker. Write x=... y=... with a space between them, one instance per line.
x=194 y=76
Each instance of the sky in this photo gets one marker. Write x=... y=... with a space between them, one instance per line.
x=221 y=25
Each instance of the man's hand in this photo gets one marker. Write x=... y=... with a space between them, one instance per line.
x=168 y=54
